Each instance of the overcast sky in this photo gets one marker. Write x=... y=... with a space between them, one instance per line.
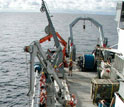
x=59 y=5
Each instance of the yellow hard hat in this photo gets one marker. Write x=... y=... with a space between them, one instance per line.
x=42 y=73
x=55 y=66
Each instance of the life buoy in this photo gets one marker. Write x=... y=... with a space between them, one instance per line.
x=73 y=101
x=43 y=92
x=43 y=97
x=42 y=84
x=42 y=100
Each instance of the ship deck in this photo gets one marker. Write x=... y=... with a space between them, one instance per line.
x=80 y=85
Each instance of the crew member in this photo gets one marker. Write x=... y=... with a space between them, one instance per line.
x=70 y=67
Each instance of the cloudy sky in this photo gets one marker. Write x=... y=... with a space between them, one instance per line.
x=59 y=5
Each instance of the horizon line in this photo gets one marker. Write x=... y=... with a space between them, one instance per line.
x=68 y=12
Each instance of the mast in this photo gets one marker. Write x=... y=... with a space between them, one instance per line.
x=58 y=61
x=50 y=25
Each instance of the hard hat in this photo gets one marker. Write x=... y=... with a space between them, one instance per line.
x=55 y=66
x=42 y=73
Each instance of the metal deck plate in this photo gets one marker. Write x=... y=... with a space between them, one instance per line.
x=80 y=84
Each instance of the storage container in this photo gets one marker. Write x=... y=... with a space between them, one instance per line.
x=103 y=89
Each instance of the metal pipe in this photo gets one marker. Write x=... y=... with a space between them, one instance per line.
x=32 y=55
x=35 y=83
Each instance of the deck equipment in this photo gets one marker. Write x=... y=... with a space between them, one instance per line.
x=71 y=45
x=61 y=40
x=48 y=85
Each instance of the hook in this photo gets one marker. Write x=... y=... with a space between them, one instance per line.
x=84 y=25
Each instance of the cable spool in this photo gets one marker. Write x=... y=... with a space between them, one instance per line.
x=89 y=62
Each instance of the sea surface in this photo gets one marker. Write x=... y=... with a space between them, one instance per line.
x=20 y=29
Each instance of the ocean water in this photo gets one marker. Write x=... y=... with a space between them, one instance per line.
x=20 y=29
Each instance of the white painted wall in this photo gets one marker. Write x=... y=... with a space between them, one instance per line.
x=121 y=40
